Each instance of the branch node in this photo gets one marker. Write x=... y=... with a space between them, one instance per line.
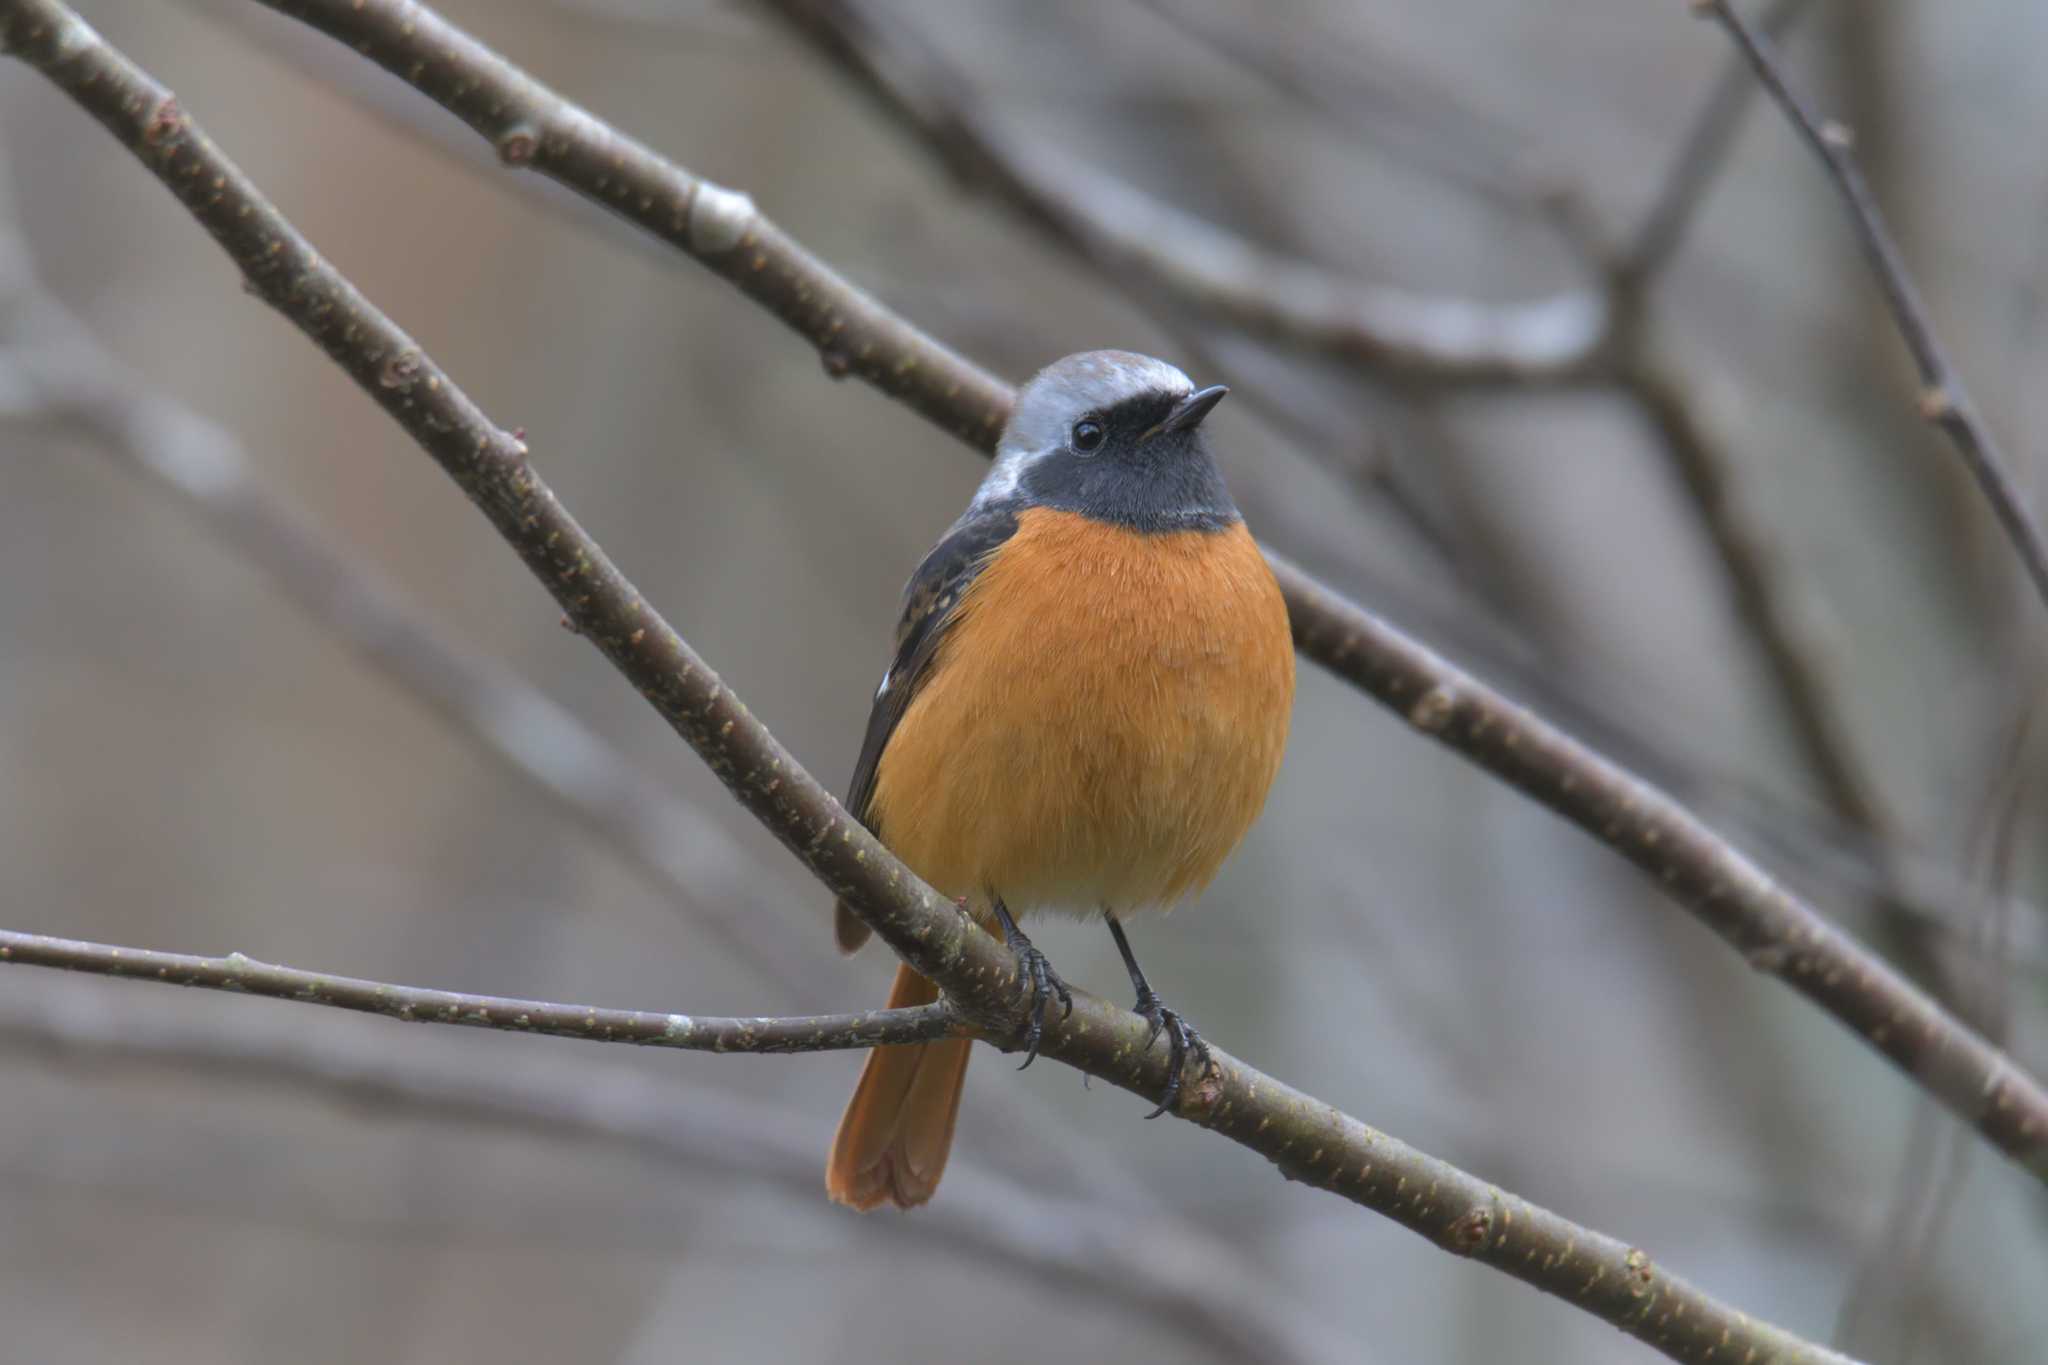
x=1468 y=1235
x=517 y=144
x=1432 y=711
x=719 y=218
x=1642 y=1275
x=401 y=371
x=166 y=124
x=1838 y=135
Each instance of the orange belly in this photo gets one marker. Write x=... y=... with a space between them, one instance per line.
x=1102 y=721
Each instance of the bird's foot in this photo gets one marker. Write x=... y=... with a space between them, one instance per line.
x=1045 y=983
x=1181 y=1039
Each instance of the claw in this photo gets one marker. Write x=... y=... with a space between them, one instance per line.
x=1045 y=982
x=1181 y=1039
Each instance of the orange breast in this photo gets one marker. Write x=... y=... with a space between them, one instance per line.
x=1102 y=721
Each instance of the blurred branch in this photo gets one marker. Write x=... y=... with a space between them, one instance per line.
x=1776 y=931
x=1310 y=1141
x=1890 y=1281
x=419 y=1005
x=1118 y=228
x=1423 y=122
x=702 y=1132
x=1943 y=399
x=60 y=371
x=1700 y=158
x=1766 y=604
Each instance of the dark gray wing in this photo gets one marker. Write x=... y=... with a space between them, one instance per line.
x=930 y=601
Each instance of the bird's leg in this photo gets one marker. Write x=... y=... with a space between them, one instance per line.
x=1181 y=1038
x=1045 y=982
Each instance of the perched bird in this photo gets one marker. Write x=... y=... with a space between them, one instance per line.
x=1088 y=703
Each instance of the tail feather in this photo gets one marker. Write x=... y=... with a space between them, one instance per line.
x=898 y=1128
x=850 y=929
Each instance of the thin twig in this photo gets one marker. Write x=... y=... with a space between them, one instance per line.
x=703 y=1133
x=1123 y=231
x=419 y=1005
x=1944 y=401
x=1891 y=1272
x=1701 y=155
x=1309 y=1140
x=1723 y=887
x=1411 y=116
x=62 y=372
x=1775 y=616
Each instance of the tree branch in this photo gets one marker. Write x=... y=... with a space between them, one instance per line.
x=1795 y=658
x=419 y=1005
x=1729 y=892
x=1700 y=158
x=1123 y=231
x=1771 y=608
x=1200 y=1291
x=1725 y=889
x=1944 y=401
x=1309 y=1140
x=1774 y=615
x=63 y=373
x=56 y=368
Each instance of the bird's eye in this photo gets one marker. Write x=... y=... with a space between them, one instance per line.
x=1087 y=436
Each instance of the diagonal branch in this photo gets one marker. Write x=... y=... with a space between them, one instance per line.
x=1943 y=399
x=1124 y=231
x=1775 y=616
x=419 y=1005
x=1309 y=1140
x=1728 y=891
x=1701 y=155
x=63 y=372
x=56 y=368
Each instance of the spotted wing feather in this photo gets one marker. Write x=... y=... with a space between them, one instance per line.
x=930 y=603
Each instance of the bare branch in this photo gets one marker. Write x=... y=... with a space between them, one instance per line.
x=62 y=372
x=1943 y=399
x=1699 y=161
x=1199 y=1290
x=419 y=1005
x=58 y=369
x=1309 y=1140
x=1423 y=122
x=1123 y=231
x=1763 y=601
x=1770 y=607
x=1729 y=892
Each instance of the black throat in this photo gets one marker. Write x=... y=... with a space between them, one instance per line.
x=1169 y=482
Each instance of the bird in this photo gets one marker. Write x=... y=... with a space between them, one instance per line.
x=1088 y=703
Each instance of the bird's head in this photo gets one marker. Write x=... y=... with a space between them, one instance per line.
x=1116 y=436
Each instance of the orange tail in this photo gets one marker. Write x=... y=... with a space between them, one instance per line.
x=892 y=1141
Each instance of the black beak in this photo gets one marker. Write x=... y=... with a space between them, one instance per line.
x=1188 y=413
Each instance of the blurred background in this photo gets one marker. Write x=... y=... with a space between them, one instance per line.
x=267 y=684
